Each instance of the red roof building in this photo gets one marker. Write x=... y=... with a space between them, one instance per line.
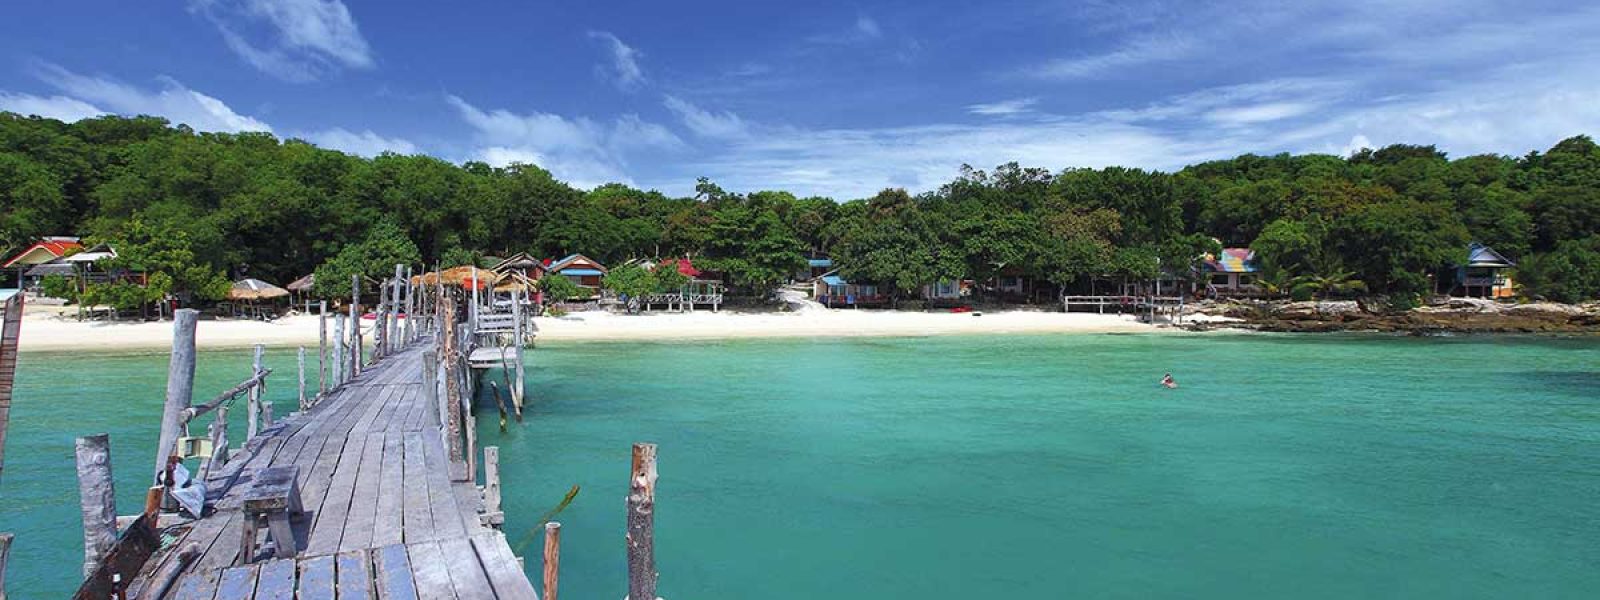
x=43 y=251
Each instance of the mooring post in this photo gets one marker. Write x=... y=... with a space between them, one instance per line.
x=339 y=369
x=516 y=316
x=394 y=306
x=301 y=359
x=180 y=385
x=452 y=398
x=641 y=524
x=552 y=558
x=253 y=408
x=219 y=442
x=322 y=350
x=411 y=306
x=380 y=324
x=430 y=385
x=97 y=498
x=5 y=556
x=356 y=351
x=492 y=514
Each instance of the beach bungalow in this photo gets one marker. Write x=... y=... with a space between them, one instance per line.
x=831 y=290
x=1484 y=274
x=702 y=289
x=1231 y=273
x=531 y=269
x=817 y=265
x=582 y=270
x=45 y=250
x=946 y=293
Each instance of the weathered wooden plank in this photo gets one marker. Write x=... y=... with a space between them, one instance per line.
x=237 y=583
x=429 y=572
x=501 y=567
x=447 y=516
x=330 y=518
x=317 y=578
x=389 y=521
x=197 y=586
x=275 y=580
x=393 y=573
x=355 y=575
x=466 y=573
x=418 y=510
x=364 y=501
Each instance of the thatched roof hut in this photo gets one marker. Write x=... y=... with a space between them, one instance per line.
x=459 y=277
x=255 y=289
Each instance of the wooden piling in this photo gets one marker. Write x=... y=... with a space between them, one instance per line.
x=180 y=385
x=322 y=350
x=641 y=524
x=452 y=398
x=493 y=515
x=552 y=559
x=253 y=408
x=301 y=360
x=340 y=370
x=394 y=307
x=521 y=373
x=152 y=502
x=356 y=351
x=10 y=334
x=430 y=386
x=5 y=556
x=97 y=499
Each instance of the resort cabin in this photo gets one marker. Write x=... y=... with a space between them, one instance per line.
x=702 y=289
x=1484 y=274
x=1231 y=273
x=817 y=265
x=45 y=250
x=582 y=270
x=83 y=268
x=947 y=292
x=831 y=290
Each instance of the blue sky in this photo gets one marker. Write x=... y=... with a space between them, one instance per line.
x=837 y=99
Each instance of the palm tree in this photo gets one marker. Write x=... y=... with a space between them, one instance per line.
x=1328 y=278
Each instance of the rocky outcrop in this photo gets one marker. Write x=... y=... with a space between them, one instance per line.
x=1444 y=315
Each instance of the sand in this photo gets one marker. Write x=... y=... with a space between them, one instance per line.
x=47 y=332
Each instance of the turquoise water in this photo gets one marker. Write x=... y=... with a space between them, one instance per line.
x=1043 y=466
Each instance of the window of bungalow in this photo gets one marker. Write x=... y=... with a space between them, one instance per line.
x=1219 y=279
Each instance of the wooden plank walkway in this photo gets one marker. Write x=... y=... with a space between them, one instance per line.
x=382 y=516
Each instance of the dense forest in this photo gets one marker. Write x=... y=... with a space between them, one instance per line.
x=196 y=209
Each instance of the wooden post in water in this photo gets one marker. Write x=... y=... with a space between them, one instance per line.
x=552 y=559
x=492 y=514
x=394 y=308
x=219 y=442
x=253 y=409
x=430 y=385
x=339 y=369
x=380 y=324
x=10 y=334
x=301 y=360
x=5 y=556
x=97 y=499
x=452 y=397
x=516 y=316
x=411 y=307
x=322 y=351
x=180 y=385
x=356 y=350
x=642 y=523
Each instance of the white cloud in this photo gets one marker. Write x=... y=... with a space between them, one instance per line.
x=1259 y=113
x=867 y=27
x=1004 y=107
x=579 y=150
x=707 y=124
x=296 y=40
x=364 y=143
x=173 y=101
x=863 y=30
x=1136 y=52
x=625 y=70
x=54 y=107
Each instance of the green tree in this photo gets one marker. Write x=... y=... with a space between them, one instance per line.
x=558 y=289
x=373 y=258
x=1570 y=273
x=630 y=282
x=164 y=255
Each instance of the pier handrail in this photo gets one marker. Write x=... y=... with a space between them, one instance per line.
x=259 y=379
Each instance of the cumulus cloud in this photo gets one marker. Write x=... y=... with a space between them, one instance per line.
x=705 y=123
x=363 y=143
x=83 y=96
x=294 y=40
x=52 y=107
x=624 y=69
x=582 y=151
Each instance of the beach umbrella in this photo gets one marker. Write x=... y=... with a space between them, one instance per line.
x=303 y=284
x=255 y=289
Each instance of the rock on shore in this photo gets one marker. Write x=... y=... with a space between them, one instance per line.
x=1471 y=315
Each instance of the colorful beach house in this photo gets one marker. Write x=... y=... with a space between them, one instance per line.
x=1231 y=273
x=702 y=288
x=1484 y=275
x=46 y=250
x=948 y=292
x=582 y=270
x=831 y=290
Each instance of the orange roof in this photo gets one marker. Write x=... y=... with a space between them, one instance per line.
x=55 y=246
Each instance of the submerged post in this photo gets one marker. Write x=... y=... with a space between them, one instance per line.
x=552 y=558
x=180 y=385
x=97 y=499
x=641 y=524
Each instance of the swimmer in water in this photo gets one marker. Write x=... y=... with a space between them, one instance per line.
x=1168 y=382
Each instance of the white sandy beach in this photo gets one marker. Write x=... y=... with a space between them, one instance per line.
x=41 y=332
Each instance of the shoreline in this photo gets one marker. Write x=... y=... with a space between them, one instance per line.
x=47 y=333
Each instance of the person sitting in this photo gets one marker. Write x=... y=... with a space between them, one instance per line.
x=1168 y=382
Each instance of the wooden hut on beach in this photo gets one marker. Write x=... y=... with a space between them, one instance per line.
x=586 y=272
x=255 y=298
x=46 y=250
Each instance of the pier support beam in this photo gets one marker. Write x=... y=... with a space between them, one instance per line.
x=180 y=385
x=254 y=410
x=492 y=514
x=322 y=350
x=356 y=350
x=97 y=498
x=340 y=370
x=301 y=358
x=642 y=523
